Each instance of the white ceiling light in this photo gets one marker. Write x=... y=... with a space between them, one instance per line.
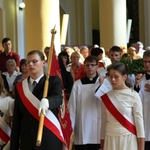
x=22 y=6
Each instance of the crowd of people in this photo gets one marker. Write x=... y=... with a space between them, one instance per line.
x=108 y=107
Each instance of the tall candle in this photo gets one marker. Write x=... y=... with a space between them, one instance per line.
x=64 y=29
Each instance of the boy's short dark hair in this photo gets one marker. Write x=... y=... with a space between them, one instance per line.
x=6 y=39
x=96 y=51
x=91 y=59
x=115 y=49
x=146 y=53
x=40 y=53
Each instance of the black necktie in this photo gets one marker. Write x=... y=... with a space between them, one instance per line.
x=33 y=86
x=147 y=76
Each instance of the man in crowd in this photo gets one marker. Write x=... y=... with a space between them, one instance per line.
x=8 y=54
x=115 y=54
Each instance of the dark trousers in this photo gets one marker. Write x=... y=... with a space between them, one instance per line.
x=87 y=147
x=147 y=145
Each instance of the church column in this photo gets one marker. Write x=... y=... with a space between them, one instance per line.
x=80 y=24
x=80 y=21
x=8 y=24
x=40 y=18
x=84 y=23
x=88 y=22
x=112 y=23
x=147 y=22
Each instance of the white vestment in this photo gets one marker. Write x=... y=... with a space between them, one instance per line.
x=85 y=113
x=145 y=97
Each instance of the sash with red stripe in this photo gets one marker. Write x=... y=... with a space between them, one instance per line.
x=114 y=111
x=31 y=103
x=5 y=131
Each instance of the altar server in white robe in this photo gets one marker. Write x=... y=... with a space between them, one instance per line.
x=85 y=108
x=144 y=91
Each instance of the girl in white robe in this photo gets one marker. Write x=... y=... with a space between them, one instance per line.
x=122 y=119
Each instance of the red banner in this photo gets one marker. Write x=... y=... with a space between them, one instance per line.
x=64 y=116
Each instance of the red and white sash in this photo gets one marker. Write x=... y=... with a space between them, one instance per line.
x=32 y=104
x=114 y=110
x=5 y=131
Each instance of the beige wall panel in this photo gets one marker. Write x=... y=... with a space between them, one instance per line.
x=40 y=18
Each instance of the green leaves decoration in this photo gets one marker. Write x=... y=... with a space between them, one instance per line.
x=134 y=65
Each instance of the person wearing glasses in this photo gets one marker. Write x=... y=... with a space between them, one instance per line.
x=85 y=109
x=30 y=103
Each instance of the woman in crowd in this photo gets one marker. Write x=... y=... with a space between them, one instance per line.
x=10 y=76
x=122 y=117
x=76 y=68
x=67 y=79
x=84 y=51
x=69 y=50
x=24 y=72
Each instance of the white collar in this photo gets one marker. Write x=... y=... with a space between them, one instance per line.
x=37 y=80
x=15 y=73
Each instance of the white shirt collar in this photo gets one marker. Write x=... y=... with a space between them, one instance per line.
x=37 y=80
x=15 y=73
